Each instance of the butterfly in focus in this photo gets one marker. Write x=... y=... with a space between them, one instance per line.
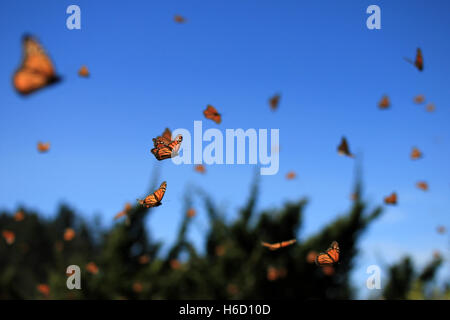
x=154 y=199
x=391 y=199
x=384 y=103
x=330 y=257
x=418 y=63
x=278 y=245
x=420 y=98
x=291 y=175
x=343 y=149
x=9 y=236
x=43 y=147
x=415 y=154
x=274 y=102
x=200 y=168
x=179 y=19
x=84 y=72
x=422 y=185
x=36 y=71
x=164 y=148
x=211 y=113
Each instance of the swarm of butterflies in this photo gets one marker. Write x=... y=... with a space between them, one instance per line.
x=37 y=72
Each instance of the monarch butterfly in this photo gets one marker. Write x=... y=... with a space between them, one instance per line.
x=343 y=148
x=420 y=98
x=164 y=151
x=274 y=101
x=36 y=71
x=179 y=19
x=330 y=257
x=430 y=107
x=92 y=268
x=124 y=212
x=83 y=72
x=144 y=259
x=384 y=102
x=69 y=234
x=154 y=199
x=200 y=168
x=9 y=236
x=422 y=185
x=418 y=63
x=43 y=289
x=137 y=287
x=275 y=273
x=211 y=113
x=43 y=147
x=416 y=154
x=441 y=229
x=391 y=199
x=290 y=175
x=191 y=213
x=278 y=245
x=19 y=216
x=175 y=264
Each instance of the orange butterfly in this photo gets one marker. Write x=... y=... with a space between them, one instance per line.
x=154 y=200
x=144 y=259
x=179 y=19
x=43 y=147
x=36 y=71
x=83 y=72
x=69 y=234
x=274 y=101
x=92 y=268
x=441 y=229
x=330 y=257
x=200 y=168
x=124 y=212
x=416 y=154
x=137 y=287
x=175 y=264
x=343 y=149
x=191 y=213
x=9 y=236
x=44 y=289
x=291 y=175
x=430 y=107
x=391 y=199
x=422 y=185
x=278 y=245
x=19 y=216
x=384 y=103
x=418 y=63
x=163 y=150
x=275 y=273
x=419 y=99
x=211 y=113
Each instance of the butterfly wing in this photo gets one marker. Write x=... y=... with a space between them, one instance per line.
x=329 y=257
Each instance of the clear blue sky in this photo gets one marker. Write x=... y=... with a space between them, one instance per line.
x=149 y=72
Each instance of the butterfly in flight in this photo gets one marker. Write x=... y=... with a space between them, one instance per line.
x=430 y=107
x=84 y=72
x=420 y=98
x=391 y=199
x=200 y=168
x=278 y=245
x=164 y=148
x=43 y=147
x=422 y=185
x=416 y=154
x=344 y=150
x=9 y=236
x=418 y=63
x=154 y=199
x=330 y=257
x=179 y=19
x=291 y=175
x=274 y=102
x=211 y=113
x=384 y=103
x=37 y=70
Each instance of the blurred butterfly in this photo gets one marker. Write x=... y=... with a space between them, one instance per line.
x=69 y=234
x=420 y=98
x=92 y=268
x=124 y=212
x=274 y=101
x=43 y=289
x=211 y=113
x=441 y=229
x=137 y=287
x=290 y=175
x=83 y=72
x=154 y=199
x=144 y=259
x=330 y=257
x=36 y=71
x=278 y=245
x=163 y=151
x=43 y=147
x=191 y=213
x=384 y=103
x=9 y=236
x=416 y=154
x=175 y=264
x=391 y=199
x=430 y=107
x=343 y=149
x=418 y=63
x=275 y=273
x=200 y=168
x=422 y=185
x=179 y=19
x=19 y=216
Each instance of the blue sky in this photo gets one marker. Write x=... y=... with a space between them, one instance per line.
x=147 y=73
